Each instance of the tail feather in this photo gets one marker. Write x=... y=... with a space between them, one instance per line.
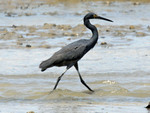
x=45 y=64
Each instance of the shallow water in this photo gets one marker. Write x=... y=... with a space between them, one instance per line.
x=114 y=92
x=124 y=13
x=118 y=72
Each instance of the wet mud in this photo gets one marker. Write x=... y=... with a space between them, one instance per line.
x=36 y=36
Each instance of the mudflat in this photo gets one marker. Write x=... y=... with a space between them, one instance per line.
x=117 y=68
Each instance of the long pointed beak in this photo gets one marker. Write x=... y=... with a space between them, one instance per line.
x=98 y=17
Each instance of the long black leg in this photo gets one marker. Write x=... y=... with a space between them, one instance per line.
x=59 y=78
x=82 y=81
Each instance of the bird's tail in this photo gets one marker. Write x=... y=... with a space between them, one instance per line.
x=45 y=64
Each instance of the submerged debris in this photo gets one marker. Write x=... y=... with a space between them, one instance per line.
x=103 y=43
x=131 y=27
x=28 y=45
x=136 y=3
x=14 y=26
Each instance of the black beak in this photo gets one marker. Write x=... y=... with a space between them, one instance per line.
x=98 y=17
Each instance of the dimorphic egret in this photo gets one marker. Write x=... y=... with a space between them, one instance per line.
x=72 y=53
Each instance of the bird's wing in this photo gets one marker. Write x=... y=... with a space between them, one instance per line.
x=66 y=56
x=73 y=51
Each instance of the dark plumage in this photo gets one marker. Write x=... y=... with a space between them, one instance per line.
x=72 y=53
x=67 y=56
x=148 y=106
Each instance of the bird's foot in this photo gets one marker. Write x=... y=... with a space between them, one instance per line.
x=51 y=92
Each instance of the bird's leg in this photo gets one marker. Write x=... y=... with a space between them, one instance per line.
x=82 y=81
x=59 y=78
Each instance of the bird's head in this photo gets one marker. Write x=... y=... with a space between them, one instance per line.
x=95 y=16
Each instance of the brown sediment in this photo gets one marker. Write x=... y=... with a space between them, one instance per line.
x=140 y=34
x=136 y=2
x=131 y=27
x=30 y=112
x=8 y=5
x=23 y=35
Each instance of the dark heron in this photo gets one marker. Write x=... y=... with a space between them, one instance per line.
x=72 y=53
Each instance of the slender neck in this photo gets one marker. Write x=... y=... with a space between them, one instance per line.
x=94 y=37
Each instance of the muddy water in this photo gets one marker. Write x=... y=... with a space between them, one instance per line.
x=117 y=69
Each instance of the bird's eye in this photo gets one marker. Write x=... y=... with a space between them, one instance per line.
x=94 y=15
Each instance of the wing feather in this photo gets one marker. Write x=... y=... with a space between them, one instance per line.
x=72 y=51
